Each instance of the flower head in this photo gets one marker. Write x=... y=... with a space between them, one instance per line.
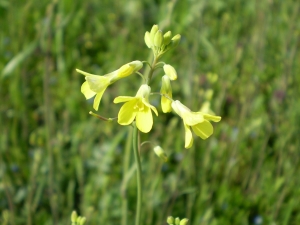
x=198 y=121
x=137 y=108
x=96 y=85
x=159 y=42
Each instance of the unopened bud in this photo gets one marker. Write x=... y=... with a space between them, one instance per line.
x=184 y=221
x=167 y=38
x=160 y=153
x=148 y=40
x=153 y=32
x=170 y=72
x=170 y=220
x=174 y=41
x=74 y=217
x=177 y=221
x=158 y=39
x=82 y=221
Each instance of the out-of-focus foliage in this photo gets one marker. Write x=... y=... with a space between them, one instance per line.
x=56 y=158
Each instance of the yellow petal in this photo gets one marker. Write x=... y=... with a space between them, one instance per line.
x=211 y=117
x=144 y=120
x=97 y=100
x=127 y=113
x=85 y=73
x=123 y=99
x=97 y=83
x=180 y=109
x=188 y=137
x=193 y=118
x=145 y=102
x=204 y=129
x=85 y=89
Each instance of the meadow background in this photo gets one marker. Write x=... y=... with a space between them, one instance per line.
x=55 y=157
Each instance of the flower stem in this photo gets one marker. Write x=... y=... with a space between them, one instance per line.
x=135 y=144
x=152 y=70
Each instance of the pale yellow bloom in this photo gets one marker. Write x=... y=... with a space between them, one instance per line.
x=198 y=121
x=96 y=85
x=137 y=108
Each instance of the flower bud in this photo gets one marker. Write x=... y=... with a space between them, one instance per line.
x=160 y=153
x=184 y=221
x=82 y=221
x=174 y=41
x=170 y=72
x=166 y=89
x=73 y=217
x=78 y=219
x=167 y=38
x=177 y=221
x=148 y=40
x=158 y=39
x=153 y=32
x=209 y=94
x=170 y=220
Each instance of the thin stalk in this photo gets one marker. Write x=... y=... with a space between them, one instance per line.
x=135 y=144
x=125 y=174
x=151 y=70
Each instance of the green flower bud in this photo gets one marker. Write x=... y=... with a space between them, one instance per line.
x=158 y=39
x=160 y=153
x=174 y=41
x=82 y=221
x=170 y=72
x=177 y=221
x=74 y=217
x=148 y=40
x=184 y=221
x=170 y=220
x=78 y=219
x=176 y=38
x=167 y=38
x=153 y=32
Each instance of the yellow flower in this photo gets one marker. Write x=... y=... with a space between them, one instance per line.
x=198 y=121
x=137 y=108
x=96 y=85
x=166 y=89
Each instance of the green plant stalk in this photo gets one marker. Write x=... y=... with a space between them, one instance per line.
x=148 y=79
x=135 y=144
x=125 y=173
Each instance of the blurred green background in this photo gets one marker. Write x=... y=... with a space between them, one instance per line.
x=55 y=157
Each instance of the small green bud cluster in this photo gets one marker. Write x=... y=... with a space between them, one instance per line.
x=159 y=42
x=177 y=221
x=77 y=220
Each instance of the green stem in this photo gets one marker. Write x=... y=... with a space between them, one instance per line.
x=151 y=70
x=125 y=175
x=135 y=144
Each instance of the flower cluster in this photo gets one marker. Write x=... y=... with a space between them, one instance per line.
x=138 y=108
